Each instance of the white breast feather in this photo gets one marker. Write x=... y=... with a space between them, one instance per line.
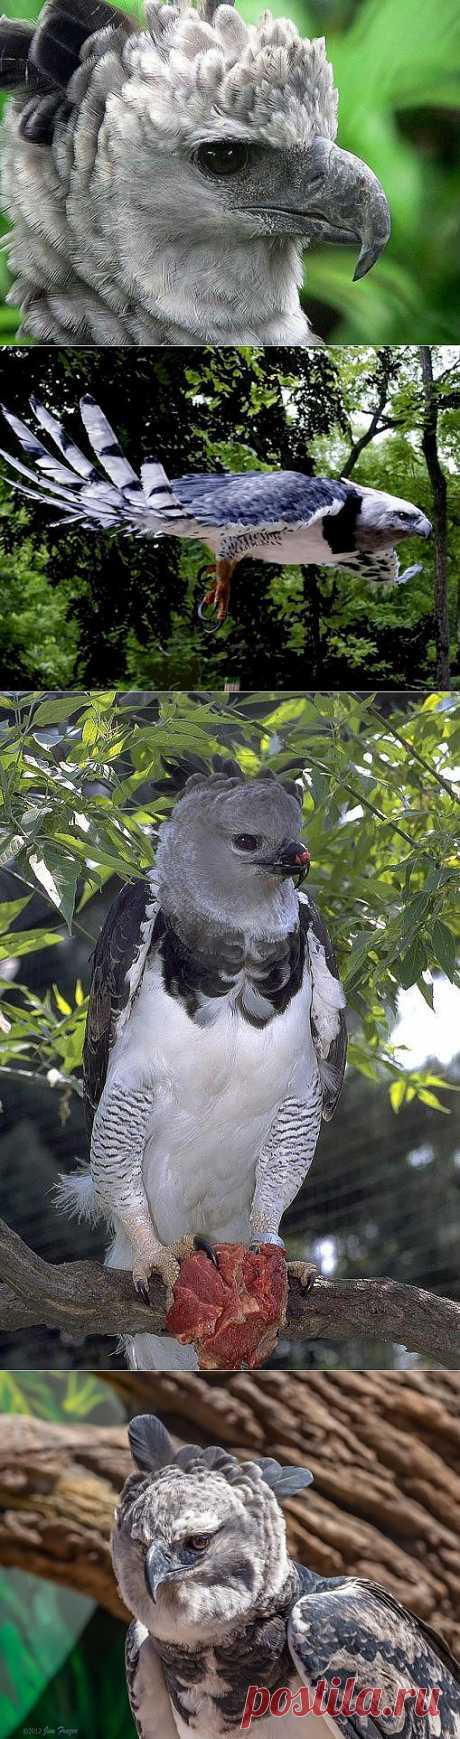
x=215 y=1091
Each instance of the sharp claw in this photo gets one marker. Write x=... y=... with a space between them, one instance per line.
x=210 y=626
x=142 y=1289
x=208 y=1248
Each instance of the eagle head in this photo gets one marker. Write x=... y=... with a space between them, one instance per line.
x=231 y=845
x=200 y=1540
x=385 y=519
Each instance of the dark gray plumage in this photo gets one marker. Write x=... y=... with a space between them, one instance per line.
x=200 y=1556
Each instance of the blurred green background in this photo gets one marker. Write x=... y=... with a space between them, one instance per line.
x=397 y=68
x=61 y=1655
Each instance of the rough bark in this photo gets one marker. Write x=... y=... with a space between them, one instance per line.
x=439 y=510
x=85 y=1298
x=384 y=1449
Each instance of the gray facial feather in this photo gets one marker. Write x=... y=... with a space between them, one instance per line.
x=228 y=888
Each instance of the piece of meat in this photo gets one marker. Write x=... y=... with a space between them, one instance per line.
x=232 y=1314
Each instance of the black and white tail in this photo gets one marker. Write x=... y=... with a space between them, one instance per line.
x=103 y=496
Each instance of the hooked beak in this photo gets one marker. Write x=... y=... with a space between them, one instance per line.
x=293 y=860
x=336 y=198
x=423 y=527
x=157 y=1569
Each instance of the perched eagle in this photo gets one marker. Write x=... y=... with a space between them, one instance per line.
x=278 y=516
x=163 y=177
x=215 y=1039
x=200 y=1556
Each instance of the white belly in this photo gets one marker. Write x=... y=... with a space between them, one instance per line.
x=215 y=1091
x=270 y=1727
x=291 y=549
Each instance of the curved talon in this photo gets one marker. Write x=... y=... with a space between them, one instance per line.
x=142 y=1289
x=209 y=626
x=201 y=1243
x=305 y=1272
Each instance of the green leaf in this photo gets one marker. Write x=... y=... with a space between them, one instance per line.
x=56 y=712
x=58 y=875
x=18 y=943
x=444 y=948
x=398 y=1092
x=432 y=1100
x=413 y=963
x=9 y=910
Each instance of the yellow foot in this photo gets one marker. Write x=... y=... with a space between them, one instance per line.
x=162 y=1259
x=218 y=597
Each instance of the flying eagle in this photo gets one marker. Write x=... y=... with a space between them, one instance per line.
x=200 y=1556
x=274 y=516
x=162 y=177
x=215 y=1041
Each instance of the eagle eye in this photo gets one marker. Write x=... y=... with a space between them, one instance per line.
x=221 y=157
x=197 y=1542
x=246 y=841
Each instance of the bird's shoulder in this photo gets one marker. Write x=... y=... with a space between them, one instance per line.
x=132 y=926
x=347 y=1628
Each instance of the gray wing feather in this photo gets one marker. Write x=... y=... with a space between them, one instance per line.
x=352 y=1629
x=260 y=498
x=328 y=1020
x=147 y=1692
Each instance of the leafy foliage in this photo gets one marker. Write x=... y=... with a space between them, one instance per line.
x=396 y=68
x=125 y=610
x=58 y=1396
x=83 y=796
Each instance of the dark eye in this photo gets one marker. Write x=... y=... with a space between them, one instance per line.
x=197 y=1542
x=246 y=841
x=221 y=157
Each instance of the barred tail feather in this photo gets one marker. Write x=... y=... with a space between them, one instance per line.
x=75 y=458
x=144 y=505
x=105 y=445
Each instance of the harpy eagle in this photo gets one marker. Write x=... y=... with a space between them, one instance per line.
x=215 y=1040
x=200 y=1556
x=278 y=516
x=162 y=177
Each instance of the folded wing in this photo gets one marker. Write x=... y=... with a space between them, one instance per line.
x=352 y=1630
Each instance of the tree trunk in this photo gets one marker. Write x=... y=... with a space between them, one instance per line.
x=439 y=495
x=384 y=1449
x=312 y=619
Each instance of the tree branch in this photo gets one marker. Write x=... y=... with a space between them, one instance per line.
x=387 y=370
x=86 y=1298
